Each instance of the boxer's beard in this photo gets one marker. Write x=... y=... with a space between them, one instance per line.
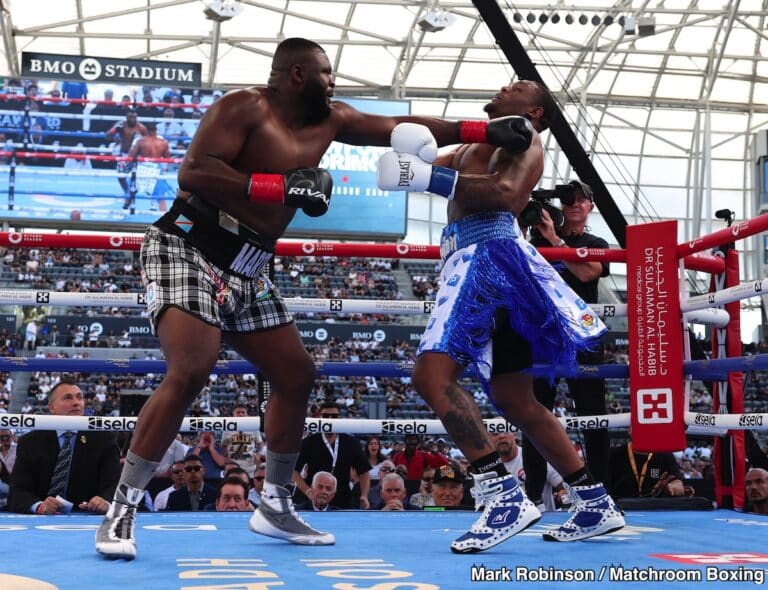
x=315 y=99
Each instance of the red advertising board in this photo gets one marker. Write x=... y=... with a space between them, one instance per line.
x=655 y=338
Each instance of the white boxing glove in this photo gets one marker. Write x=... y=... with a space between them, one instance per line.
x=406 y=172
x=412 y=138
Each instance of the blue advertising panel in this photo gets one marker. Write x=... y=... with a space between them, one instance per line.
x=60 y=168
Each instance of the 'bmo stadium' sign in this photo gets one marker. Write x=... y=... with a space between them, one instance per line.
x=104 y=69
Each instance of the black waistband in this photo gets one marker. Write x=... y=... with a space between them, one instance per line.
x=221 y=238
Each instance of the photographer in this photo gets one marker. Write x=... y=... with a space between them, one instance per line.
x=589 y=395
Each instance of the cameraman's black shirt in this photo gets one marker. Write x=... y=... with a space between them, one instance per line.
x=588 y=290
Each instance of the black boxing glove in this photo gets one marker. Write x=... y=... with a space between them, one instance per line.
x=308 y=189
x=512 y=133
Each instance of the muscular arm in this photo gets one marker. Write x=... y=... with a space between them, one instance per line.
x=358 y=128
x=446 y=159
x=508 y=185
x=207 y=169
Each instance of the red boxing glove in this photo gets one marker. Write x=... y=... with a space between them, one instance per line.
x=512 y=133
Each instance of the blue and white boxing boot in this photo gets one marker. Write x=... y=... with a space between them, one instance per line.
x=507 y=511
x=594 y=514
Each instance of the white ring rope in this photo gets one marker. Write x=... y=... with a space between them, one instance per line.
x=700 y=423
x=729 y=295
x=311 y=425
x=719 y=422
x=294 y=304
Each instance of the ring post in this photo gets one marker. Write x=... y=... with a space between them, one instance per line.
x=728 y=395
x=655 y=338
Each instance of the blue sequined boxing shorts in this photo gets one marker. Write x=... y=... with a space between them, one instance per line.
x=487 y=266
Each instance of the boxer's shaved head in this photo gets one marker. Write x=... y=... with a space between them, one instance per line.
x=293 y=51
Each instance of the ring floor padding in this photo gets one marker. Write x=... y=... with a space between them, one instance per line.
x=386 y=551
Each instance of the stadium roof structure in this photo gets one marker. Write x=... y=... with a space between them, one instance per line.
x=669 y=52
x=666 y=95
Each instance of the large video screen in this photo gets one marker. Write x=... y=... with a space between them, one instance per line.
x=358 y=207
x=64 y=163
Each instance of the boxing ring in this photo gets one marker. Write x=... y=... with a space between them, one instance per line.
x=384 y=551
x=410 y=550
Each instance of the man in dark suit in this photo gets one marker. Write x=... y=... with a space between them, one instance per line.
x=196 y=494
x=90 y=477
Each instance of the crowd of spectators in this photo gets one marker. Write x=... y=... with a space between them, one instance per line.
x=431 y=471
x=118 y=272
x=107 y=271
x=424 y=279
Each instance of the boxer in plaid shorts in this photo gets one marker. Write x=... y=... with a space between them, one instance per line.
x=251 y=165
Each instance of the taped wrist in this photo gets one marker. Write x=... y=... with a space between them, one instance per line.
x=442 y=181
x=473 y=132
x=266 y=188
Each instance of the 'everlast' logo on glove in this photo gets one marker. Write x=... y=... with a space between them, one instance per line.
x=406 y=174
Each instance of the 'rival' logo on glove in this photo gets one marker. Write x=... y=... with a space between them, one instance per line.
x=306 y=191
x=304 y=182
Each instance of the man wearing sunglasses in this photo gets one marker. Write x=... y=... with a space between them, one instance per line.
x=196 y=494
x=374 y=496
x=178 y=480
x=254 y=496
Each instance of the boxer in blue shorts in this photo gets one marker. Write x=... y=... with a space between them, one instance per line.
x=496 y=292
x=252 y=163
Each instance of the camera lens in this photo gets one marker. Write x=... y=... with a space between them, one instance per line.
x=531 y=215
x=558 y=219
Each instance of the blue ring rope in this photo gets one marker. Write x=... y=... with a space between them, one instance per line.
x=715 y=369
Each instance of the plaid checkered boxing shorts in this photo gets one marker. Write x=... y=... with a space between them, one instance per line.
x=177 y=274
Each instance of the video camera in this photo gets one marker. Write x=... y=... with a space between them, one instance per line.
x=540 y=199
